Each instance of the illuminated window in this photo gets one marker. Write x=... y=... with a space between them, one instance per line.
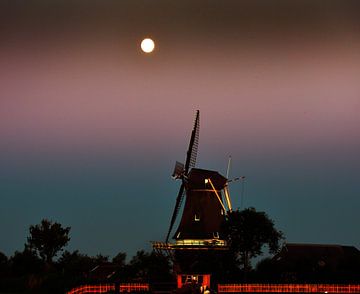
x=197 y=218
x=216 y=235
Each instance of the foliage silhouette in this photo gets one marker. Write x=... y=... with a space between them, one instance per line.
x=247 y=232
x=119 y=259
x=3 y=262
x=47 y=239
x=71 y=263
x=150 y=267
x=25 y=262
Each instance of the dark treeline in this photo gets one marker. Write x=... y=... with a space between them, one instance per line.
x=25 y=272
x=44 y=266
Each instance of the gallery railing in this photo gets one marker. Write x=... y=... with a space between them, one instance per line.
x=103 y=288
x=287 y=288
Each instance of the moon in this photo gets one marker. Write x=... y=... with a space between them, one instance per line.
x=147 y=45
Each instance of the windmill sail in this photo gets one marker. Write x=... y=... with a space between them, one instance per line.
x=193 y=145
x=189 y=163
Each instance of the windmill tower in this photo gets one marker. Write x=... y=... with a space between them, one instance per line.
x=207 y=202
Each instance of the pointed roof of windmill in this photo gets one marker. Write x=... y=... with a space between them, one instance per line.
x=197 y=177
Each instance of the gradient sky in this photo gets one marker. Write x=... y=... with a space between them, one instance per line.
x=90 y=127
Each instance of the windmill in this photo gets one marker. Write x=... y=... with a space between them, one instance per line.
x=207 y=202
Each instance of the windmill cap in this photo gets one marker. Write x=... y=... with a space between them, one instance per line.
x=197 y=177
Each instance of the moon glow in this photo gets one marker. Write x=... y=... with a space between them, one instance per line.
x=147 y=45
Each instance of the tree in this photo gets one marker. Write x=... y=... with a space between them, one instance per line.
x=119 y=259
x=100 y=259
x=4 y=265
x=3 y=261
x=150 y=267
x=47 y=239
x=75 y=268
x=247 y=232
x=75 y=264
x=25 y=262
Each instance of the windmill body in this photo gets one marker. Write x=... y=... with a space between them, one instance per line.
x=203 y=213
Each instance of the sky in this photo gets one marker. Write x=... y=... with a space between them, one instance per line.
x=91 y=127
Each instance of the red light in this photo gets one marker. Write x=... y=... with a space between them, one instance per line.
x=288 y=288
x=103 y=288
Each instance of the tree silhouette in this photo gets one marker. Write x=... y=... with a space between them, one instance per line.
x=25 y=262
x=247 y=232
x=119 y=259
x=4 y=266
x=150 y=267
x=47 y=239
x=3 y=260
x=75 y=263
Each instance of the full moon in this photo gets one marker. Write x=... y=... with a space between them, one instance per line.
x=147 y=45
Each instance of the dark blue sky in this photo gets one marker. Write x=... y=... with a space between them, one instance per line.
x=90 y=127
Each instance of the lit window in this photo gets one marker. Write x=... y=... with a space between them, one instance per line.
x=197 y=218
x=216 y=235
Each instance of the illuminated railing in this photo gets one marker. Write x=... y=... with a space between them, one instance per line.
x=103 y=288
x=288 y=288
x=92 y=289
x=161 y=245
x=134 y=287
x=200 y=242
x=197 y=244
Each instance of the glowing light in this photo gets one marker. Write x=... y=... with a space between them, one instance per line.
x=288 y=288
x=147 y=45
x=105 y=288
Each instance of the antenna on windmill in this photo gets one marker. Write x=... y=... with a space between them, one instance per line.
x=228 y=167
x=226 y=190
x=181 y=171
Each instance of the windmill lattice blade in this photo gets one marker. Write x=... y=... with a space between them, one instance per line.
x=193 y=145
x=179 y=200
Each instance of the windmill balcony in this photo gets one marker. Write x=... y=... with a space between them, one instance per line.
x=201 y=242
